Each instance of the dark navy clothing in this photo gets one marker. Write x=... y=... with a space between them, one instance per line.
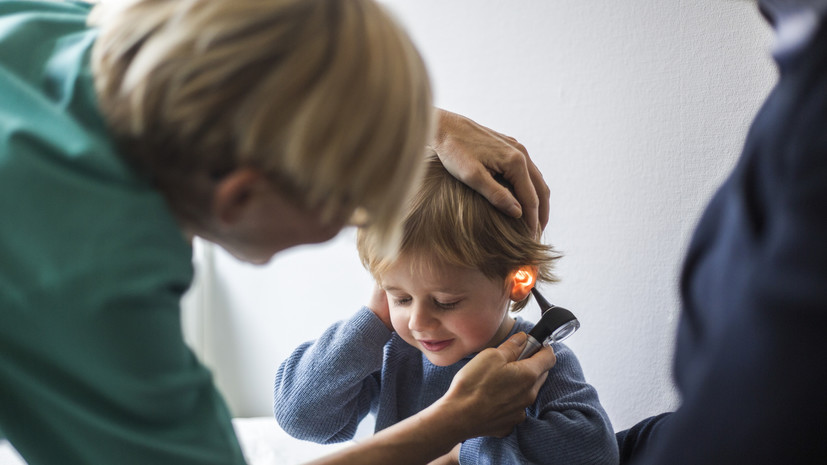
x=751 y=355
x=631 y=443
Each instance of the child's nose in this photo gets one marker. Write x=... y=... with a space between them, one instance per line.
x=420 y=319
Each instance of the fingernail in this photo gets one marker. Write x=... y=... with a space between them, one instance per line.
x=519 y=338
x=515 y=210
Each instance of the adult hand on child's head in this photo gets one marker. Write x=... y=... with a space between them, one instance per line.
x=493 y=390
x=472 y=152
x=378 y=304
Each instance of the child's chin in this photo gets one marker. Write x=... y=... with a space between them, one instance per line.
x=441 y=361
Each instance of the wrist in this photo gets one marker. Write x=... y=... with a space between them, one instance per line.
x=445 y=420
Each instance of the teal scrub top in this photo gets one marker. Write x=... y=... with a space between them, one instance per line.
x=93 y=366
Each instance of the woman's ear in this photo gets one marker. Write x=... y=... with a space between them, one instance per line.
x=522 y=281
x=233 y=194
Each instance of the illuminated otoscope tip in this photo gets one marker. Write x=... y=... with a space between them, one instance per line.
x=524 y=278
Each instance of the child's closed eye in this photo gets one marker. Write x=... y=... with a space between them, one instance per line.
x=446 y=305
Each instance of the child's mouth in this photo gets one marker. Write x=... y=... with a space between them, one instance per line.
x=436 y=346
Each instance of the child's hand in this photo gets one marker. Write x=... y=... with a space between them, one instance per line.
x=378 y=304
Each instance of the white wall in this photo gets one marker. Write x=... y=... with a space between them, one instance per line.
x=633 y=110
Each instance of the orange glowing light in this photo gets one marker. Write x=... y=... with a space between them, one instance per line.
x=523 y=278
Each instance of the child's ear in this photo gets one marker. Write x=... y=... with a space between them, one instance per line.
x=233 y=193
x=521 y=282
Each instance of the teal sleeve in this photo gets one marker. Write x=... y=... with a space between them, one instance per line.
x=116 y=385
x=93 y=366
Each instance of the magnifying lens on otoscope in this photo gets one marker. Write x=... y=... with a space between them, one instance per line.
x=555 y=325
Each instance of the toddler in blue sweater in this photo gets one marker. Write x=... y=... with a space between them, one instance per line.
x=444 y=297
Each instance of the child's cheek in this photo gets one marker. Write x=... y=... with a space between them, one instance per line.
x=476 y=332
x=399 y=321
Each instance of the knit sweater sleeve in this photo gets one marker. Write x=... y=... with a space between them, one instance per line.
x=565 y=425
x=326 y=387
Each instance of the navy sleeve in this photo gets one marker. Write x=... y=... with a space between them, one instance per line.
x=633 y=442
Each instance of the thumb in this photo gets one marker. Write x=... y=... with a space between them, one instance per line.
x=513 y=346
x=498 y=195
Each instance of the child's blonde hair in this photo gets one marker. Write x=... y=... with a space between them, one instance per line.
x=329 y=98
x=448 y=222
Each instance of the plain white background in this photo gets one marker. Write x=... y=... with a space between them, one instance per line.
x=634 y=111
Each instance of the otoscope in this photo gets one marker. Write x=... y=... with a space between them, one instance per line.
x=556 y=324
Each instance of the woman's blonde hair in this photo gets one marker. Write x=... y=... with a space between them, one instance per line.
x=448 y=222
x=329 y=98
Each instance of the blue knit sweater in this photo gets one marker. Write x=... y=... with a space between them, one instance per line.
x=326 y=387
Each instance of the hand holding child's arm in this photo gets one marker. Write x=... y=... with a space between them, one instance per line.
x=487 y=398
x=496 y=384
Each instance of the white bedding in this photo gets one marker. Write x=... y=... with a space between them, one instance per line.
x=262 y=440
x=265 y=443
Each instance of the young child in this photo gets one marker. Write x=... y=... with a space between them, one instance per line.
x=442 y=299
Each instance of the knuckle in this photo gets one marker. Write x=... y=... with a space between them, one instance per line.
x=473 y=175
x=515 y=157
x=520 y=147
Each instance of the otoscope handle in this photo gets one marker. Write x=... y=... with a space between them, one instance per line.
x=531 y=347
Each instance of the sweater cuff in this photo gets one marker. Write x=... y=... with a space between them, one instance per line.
x=469 y=451
x=370 y=327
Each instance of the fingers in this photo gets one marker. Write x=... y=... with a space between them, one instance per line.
x=472 y=152
x=495 y=389
x=513 y=346
x=532 y=191
x=543 y=195
x=483 y=182
x=537 y=366
x=541 y=362
x=515 y=168
x=513 y=165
